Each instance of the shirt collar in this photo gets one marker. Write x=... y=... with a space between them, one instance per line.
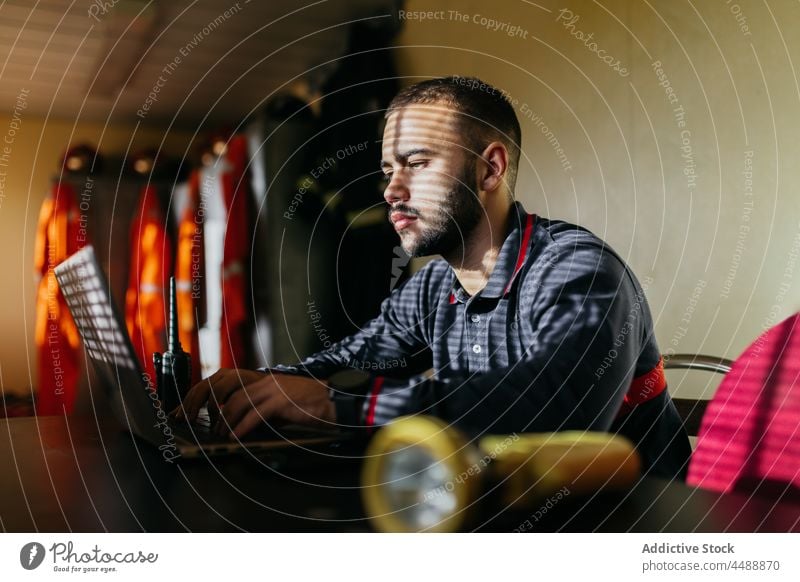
x=512 y=257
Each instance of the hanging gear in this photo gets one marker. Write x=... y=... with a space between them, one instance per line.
x=150 y=269
x=58 y=236
x=235 y=327
x=189 y=268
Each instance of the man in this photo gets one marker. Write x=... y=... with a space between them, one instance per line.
x=528 y=324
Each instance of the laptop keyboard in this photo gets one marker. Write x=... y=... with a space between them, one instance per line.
x=198 y=431
x=201 y=432
x=203 y=418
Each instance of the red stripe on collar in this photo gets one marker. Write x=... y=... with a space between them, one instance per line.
x=523 y=250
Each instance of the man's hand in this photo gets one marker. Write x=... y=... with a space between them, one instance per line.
x=246 y=398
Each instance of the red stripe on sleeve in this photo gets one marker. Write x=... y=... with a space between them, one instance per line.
x=644 y=388
x=377 y=384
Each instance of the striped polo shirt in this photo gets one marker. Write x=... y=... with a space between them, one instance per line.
x=560 y=338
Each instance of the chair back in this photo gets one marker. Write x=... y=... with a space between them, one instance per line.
x=691 y=410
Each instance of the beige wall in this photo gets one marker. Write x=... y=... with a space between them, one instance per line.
x=720 y=255
x=37 y=145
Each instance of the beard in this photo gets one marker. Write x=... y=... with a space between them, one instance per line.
x=456 y=219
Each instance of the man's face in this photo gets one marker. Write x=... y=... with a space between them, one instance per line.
x=431 y=172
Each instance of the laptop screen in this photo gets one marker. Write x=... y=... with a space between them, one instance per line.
x=108 y=346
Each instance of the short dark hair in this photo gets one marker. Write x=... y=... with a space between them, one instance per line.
x=486 y=112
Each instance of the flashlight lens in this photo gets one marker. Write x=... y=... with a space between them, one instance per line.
x=418 y=487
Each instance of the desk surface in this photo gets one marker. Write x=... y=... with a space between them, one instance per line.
x=61 y=476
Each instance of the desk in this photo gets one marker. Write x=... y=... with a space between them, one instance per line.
x=63 y=475
x=70 y=476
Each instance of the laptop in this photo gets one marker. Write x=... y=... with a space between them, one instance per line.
x=131 y=392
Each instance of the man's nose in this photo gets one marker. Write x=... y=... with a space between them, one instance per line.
x=397 y=189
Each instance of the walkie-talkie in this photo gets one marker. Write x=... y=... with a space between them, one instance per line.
x=173 y=367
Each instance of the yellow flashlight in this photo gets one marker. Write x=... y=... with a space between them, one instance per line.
x=421 y=474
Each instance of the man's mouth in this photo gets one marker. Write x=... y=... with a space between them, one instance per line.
x=401 y=220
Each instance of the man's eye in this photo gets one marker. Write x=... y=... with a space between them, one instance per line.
x=418 y=164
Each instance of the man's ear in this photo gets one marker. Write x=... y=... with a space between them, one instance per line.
x=492 y=172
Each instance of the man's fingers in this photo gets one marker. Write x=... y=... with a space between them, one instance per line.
x=254 y=417
x=197 y=396
x=215 y=390
x=214 y=413
x=243 y=401
x=223 y=387
x=193 y=400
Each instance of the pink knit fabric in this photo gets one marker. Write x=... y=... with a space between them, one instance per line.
x=751 y=430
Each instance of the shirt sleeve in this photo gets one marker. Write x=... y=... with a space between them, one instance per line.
x=585 y=310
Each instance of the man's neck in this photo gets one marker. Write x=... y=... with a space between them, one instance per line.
x=474 y=266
